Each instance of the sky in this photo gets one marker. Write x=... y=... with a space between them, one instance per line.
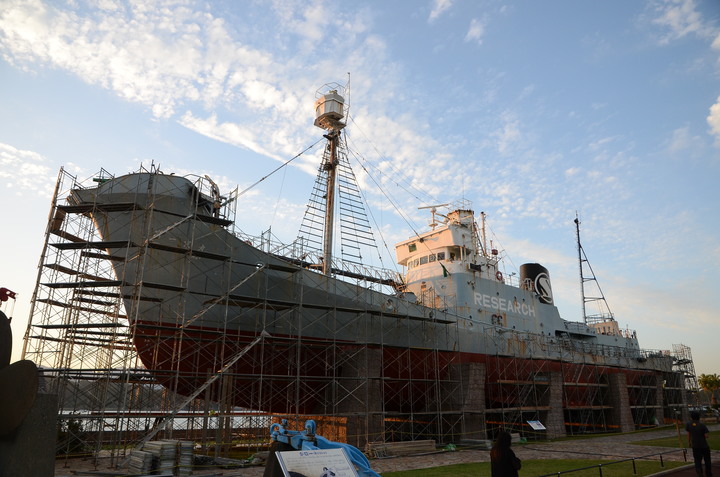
x=532 y=111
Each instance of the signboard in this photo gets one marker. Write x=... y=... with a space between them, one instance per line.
x=316 y=463
x=536 y=425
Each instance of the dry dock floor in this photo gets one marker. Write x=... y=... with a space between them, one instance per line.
x=613 y=447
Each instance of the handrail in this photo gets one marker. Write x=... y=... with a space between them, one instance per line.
x=631 y=459
x=300 y=252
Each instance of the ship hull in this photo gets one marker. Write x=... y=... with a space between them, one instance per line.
x=199 y=298
x=281 y=376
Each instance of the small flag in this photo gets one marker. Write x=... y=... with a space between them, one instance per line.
x=445 y=272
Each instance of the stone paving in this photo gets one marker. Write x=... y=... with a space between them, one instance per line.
x=614 y=447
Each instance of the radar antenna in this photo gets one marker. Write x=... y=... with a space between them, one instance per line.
x=433 y=211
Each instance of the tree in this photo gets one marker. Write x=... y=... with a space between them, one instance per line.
x=710 y=383
x=70 y=438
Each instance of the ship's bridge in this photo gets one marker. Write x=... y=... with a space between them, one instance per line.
x=451 y=240
x=451 y=246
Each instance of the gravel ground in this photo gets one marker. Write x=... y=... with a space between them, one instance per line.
x=606 y=447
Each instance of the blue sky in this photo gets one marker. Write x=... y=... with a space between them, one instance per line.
x=531 y=110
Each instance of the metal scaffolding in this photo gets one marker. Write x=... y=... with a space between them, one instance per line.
x=87 y=334
x=686 y=369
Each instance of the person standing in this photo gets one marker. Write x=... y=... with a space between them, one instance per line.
x=503 y=462
x=697 y=439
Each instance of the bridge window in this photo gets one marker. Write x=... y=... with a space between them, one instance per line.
x=423 y=260
x=441 y=255
x=432 y=257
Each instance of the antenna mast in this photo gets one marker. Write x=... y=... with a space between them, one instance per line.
x=580 y=264
x=604 y=314
x=328 y=115
x=484 y=236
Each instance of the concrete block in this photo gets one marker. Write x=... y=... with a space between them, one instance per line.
x=30 y=449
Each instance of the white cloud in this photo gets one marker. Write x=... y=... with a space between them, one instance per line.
x=679 y=18
x=476 y=31
x=508 y=136
x=230 y=133
x=597 y=145
x=314 y=22
x=439 y=7
x=572 y=171
x=25 y=172
x=682 y=141
x=309 y=20
x=713 y=120
x=160 y=56
x=170 y=58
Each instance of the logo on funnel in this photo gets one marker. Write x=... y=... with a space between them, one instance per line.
x=543 y=288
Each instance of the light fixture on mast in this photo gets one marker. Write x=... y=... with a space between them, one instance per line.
x=329 y=110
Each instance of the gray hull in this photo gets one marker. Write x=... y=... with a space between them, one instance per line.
x=197 y=295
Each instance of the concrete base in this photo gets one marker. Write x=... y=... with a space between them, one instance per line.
x=30 y=449
x=470 y=398
x=620 y=401
x=555 y=418
x=362 y=375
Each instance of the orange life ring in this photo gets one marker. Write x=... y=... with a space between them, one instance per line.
x=499 y=275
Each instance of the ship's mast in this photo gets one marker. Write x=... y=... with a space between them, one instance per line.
x=580 y=264
x=604 y=313
x=331 y=167
x=328 y=116
x=484 y=236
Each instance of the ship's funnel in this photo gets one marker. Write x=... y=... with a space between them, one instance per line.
x=535 y=277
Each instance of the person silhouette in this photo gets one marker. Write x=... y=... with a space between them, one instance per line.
x=503 y=462
x=697 y=434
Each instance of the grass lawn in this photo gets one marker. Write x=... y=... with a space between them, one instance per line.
x=713 y=440
x=533 y=468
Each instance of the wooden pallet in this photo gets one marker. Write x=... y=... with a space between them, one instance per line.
x=392 y=449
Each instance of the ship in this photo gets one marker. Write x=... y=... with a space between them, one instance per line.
x=295 y=332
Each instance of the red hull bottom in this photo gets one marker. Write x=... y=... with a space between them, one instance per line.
x=283 y=375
